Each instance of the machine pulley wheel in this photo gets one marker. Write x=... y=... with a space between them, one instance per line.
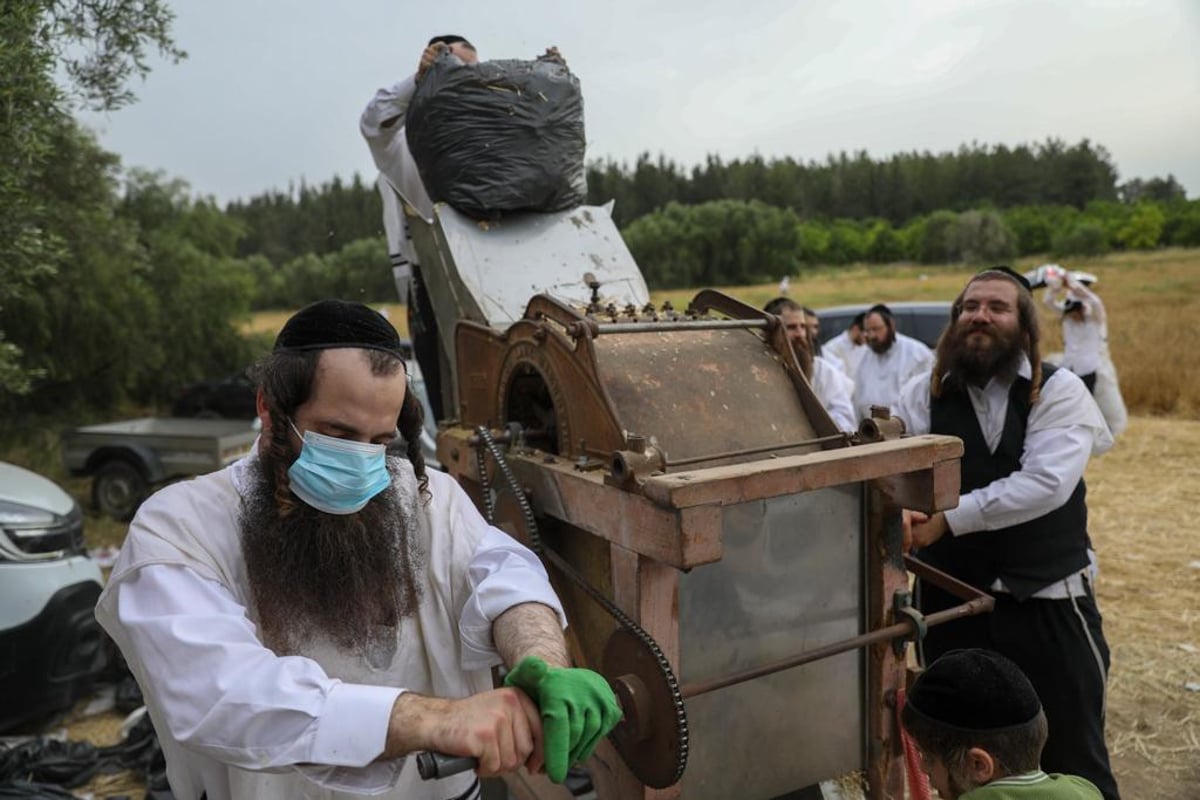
x=649 y=738
x=655 y=745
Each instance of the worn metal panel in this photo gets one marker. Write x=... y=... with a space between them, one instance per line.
x=702 y=392
x=791 y=579
x=504 y=263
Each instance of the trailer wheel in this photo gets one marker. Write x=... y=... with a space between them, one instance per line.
x=118 y=488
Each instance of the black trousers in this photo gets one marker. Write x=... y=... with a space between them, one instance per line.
x=422 y=326
x=1060 y=646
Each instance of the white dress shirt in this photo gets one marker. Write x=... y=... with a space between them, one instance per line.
x=399 y=180
x=389 y=145
x=849 y=353
x=238 y=721
x=1085 y=341
x=1064 y=429
x=880 y=376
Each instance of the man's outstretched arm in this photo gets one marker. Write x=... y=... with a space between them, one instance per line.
x=530 y=629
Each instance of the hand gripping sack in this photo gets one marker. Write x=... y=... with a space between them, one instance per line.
x=499 y=136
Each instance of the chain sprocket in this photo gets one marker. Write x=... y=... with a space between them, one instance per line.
x=487 y=445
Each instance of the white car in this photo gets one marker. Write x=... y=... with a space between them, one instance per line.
x=51 y=648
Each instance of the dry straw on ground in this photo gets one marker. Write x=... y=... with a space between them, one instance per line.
x=1143 y=497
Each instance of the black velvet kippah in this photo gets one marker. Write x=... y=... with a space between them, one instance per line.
x=329 y=324
x=974 y=690
x=1017 y=277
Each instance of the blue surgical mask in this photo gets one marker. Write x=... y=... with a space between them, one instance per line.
x=337 y=476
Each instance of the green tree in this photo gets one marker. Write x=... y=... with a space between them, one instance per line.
x=83 y=325
x=980 y=237
x=306 y=279
x=150 y=298
x=1033 y=228
x=814 y=242
x=1164 y=190
x=1082 y=239
x=1110 y=216
x=202 y=291
x=847 y=243
x=1182 y=228
x=1144 y=229
x=710 y=244
x=97 y=46
x=884 y=246
x=360 y=271
x=934 y=238
x=663 y=246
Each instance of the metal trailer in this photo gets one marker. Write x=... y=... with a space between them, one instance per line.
x=128 y=459
x=728 y=560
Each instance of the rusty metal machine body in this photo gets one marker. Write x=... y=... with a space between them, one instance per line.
x=686 y=488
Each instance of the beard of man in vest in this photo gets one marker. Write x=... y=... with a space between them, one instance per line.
x=975 y=351
x=349 y=577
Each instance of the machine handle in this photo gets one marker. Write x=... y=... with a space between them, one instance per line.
x=433 y=765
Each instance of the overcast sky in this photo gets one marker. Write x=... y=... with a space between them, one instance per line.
x=272 y=89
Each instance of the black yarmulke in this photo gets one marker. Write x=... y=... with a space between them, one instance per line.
x=974 y=690
x=1020 y=280
x=329 y=324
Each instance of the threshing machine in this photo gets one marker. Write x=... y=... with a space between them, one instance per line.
x=729 y=560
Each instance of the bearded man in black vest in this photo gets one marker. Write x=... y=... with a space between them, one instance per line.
x=1020 y=529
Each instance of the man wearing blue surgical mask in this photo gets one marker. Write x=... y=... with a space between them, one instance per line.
x=302 y=620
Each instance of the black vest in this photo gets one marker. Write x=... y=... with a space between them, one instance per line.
x=1029 y=556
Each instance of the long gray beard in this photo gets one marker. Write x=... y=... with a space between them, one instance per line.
x=350 y=579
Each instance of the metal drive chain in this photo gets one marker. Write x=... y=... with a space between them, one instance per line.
x=488 y=445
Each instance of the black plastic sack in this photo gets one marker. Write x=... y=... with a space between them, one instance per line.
x=499 y=136
x=40 y=768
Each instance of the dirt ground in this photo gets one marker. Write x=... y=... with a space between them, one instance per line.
x=1141 y=497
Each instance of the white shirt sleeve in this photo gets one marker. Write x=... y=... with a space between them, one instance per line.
x=834 y=390
x=923 y=358
x=227 y=696
x=1064 y=430
x=913 y=407
x=389 y=151
x=503 y=573
x=390 y=103
x=1093 y=306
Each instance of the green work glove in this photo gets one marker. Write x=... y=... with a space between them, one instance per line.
x=578 y=710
